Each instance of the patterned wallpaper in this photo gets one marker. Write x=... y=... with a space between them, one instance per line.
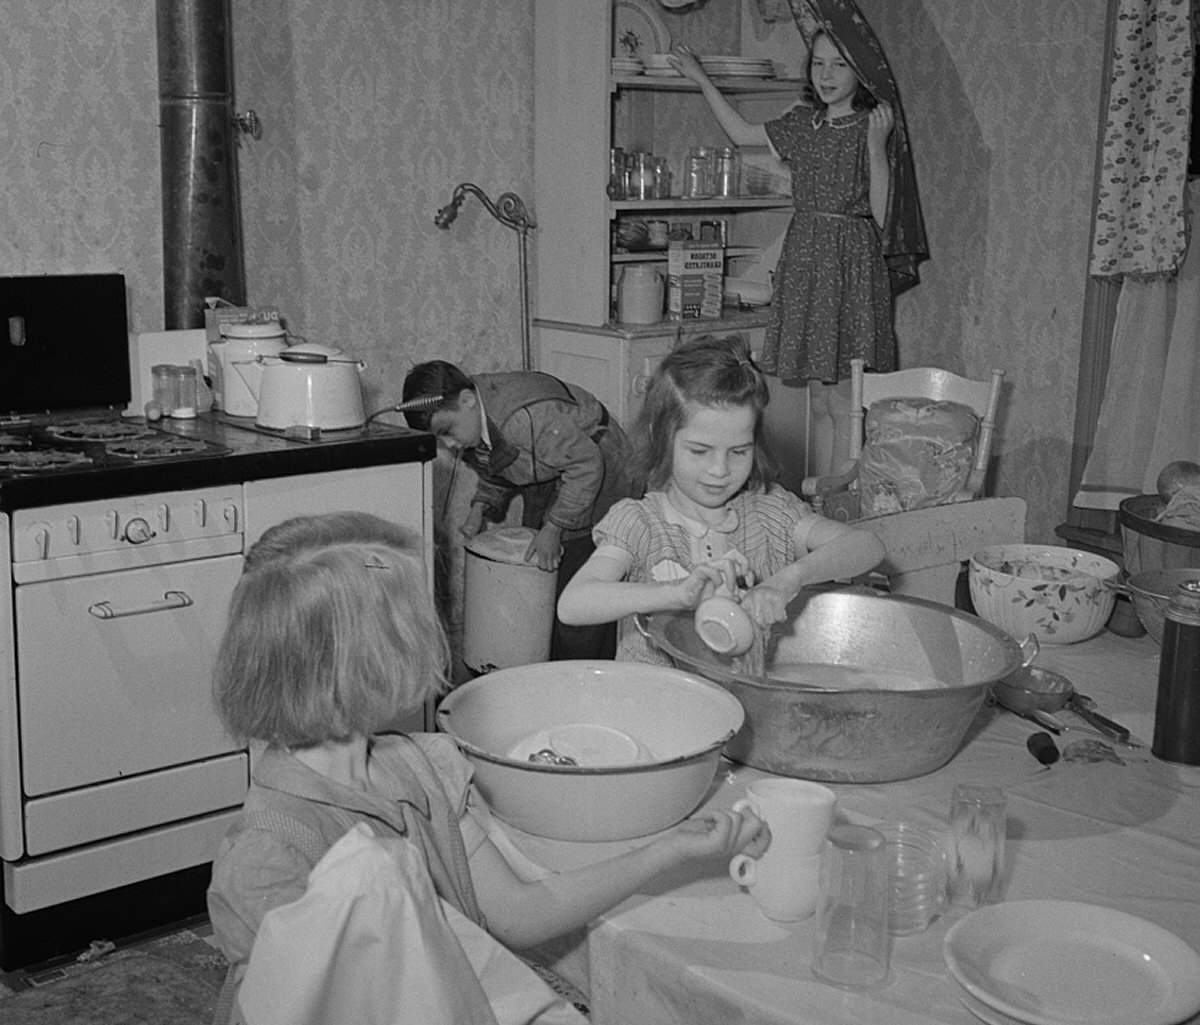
x=79 y=179
x=1002 y=99
x=374 y=109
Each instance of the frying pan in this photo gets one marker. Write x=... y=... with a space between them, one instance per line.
x=1038 y=693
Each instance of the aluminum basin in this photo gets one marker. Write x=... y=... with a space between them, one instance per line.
x=801 y=720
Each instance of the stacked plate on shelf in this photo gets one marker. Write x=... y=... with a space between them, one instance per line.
x=738 y=67
x=1050 y=962
x=657 y=66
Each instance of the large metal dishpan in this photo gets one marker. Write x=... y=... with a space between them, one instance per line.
x=829 y=705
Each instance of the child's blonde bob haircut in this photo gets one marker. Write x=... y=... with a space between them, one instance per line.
x=331 y=633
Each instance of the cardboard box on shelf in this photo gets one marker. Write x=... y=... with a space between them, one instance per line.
x=695 y=276
x=220 y=313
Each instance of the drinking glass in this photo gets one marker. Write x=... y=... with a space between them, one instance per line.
x=918 y=877
x=978 y=818
x=852 y=945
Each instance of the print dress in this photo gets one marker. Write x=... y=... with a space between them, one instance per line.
x=833 y=299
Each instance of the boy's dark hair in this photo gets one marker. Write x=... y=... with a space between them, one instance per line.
x=437 y=377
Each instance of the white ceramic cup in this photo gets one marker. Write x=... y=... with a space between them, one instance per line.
x=724 y=625
x=785 y=881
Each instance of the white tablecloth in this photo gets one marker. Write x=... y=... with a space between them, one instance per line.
x=1125 y=837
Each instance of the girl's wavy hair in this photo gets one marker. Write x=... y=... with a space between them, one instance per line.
x=329 y=637
x=863 y=98
x=704 y=371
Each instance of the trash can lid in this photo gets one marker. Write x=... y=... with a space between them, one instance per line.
x=503 y=544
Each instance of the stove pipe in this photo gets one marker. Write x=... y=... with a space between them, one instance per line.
x=202 y=240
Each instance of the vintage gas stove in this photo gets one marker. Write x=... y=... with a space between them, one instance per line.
x=123 y=540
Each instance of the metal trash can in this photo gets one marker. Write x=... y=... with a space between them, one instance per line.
x=508 y=603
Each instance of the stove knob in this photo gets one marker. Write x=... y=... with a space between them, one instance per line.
x=138 y=531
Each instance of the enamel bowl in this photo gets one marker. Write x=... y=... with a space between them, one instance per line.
x=646 y=741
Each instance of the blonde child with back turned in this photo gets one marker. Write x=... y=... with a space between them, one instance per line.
x=709 y=515
x=331 y=639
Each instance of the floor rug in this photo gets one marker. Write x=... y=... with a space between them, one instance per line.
x=170 y=980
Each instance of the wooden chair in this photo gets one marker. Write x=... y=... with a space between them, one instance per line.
x=837 y=496
x=926 y=547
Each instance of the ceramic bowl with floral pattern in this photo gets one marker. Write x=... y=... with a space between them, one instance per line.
x=1057 y=595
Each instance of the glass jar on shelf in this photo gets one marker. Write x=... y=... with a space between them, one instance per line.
x=616 y=173
x=698 y=173
x=726 y=177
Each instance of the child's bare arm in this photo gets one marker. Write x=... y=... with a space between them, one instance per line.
x=599 y=592
x=740 y=131
x=522 y=914
x=829 y=551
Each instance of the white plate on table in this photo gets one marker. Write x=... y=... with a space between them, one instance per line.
x=988 y=1015
x=638 y=30
x=1053 y=962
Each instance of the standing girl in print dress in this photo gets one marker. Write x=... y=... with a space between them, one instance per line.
x=833 y=293
x=709 y=516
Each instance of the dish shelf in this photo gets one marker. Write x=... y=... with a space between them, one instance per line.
x=715 y=203
x=660 y=255
x=726 y=83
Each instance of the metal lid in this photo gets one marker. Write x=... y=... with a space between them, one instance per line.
x=504 y=544
x=1184 y=606
x=271 y=330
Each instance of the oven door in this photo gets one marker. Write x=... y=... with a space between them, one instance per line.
x=114 y=672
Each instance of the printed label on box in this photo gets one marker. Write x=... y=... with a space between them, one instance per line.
x=695 y=280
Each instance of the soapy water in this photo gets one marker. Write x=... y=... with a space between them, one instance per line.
x=825 y=676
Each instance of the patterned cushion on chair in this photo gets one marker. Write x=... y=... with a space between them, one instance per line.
x=916 y=453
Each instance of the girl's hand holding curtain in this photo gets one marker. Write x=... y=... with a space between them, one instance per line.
x=880 y=122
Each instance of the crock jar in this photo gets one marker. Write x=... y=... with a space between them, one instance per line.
x=640 y=294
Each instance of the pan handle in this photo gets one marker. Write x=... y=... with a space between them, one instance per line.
x=1079 y=705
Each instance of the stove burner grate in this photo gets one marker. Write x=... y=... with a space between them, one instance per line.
x=156 y=447
x=39 y=460
x=93 y=430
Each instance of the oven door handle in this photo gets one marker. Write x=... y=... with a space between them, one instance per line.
x=171 y=600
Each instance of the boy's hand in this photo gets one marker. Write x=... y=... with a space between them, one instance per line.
x=546 y=547
x=473 y=523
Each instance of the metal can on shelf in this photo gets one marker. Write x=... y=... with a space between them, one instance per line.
x=715 y=231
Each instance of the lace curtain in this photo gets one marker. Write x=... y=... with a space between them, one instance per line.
x=1147 y=416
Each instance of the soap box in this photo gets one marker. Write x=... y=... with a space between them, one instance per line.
x=695 y=280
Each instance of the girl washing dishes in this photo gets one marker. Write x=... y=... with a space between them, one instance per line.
x=709 y=516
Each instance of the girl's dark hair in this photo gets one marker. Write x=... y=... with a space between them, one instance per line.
x=703 y=371
x=437 y=377
x=863 y=98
